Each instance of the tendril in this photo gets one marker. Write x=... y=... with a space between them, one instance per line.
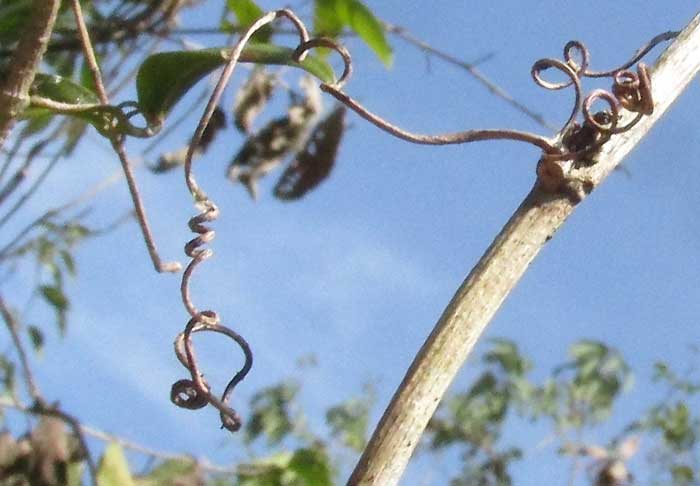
x=195 y=392
x=631 y=91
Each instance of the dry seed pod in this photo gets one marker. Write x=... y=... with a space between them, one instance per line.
x=313 y=164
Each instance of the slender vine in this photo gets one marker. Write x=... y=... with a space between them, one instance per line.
x=631 y=91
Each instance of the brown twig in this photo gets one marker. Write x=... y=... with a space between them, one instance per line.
x=471 y=68
x=25 y=60
x=534 y=223
x=40 y=406
x=13 y=328
x=120 y=149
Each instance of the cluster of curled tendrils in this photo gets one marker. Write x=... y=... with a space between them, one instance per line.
x=631 y=90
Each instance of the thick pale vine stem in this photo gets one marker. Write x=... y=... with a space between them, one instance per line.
x=30 y=49
x=536 y=220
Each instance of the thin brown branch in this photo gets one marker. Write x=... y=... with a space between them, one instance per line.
x=13 y=328
x=40 y=406
x=118 y=142
x=534 y=223
x=26 y=58
x=87 y=430
x=471 y=68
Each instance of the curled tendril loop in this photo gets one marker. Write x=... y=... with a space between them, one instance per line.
x=195 y=392
x=191 y=393
x=304 y=47
x=576 y=48
x=631 y=91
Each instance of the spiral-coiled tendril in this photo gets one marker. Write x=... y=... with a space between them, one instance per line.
x=631 y=90
x=195 y=392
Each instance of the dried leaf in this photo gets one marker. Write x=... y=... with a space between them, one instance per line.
x=170 y=160
x=252 y=98
x=215 y=125
x=265 y=150
x=50 y=449
x=176 y=158
x=313 y=164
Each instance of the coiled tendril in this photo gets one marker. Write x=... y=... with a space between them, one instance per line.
x=195 y=392
x=631 y=91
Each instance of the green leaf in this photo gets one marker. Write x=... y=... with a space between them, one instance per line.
x=682 y=474
x=349 y=422
x=506 y=354
x=327 y=22
x=164 y=78
x=270 y=413
x=114 y=468
x=174 y=471
x=68 y=261
x=312 y=468
x=247 y=13
x=36 y=337
x=365 y=24
x=55 y=297
x=62 y=90
x=74 y=475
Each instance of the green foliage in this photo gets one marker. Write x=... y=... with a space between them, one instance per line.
x=303 y=467
x=163 y=79
x=247 y=12
x=114 y=468
x=331 y=16
x=270 y=415
x=348 y=421
x=173 y=472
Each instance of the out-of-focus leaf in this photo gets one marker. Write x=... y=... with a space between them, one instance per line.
x=68 y=261
x=314 y=163
x=682 y=475
x=13 y=17
x=252 y=98
x=349 y=422
x=173 y=472
x=36 y=337
x=506 y=354
x=587 y=350
x=171 y=160
x=214 y=127
x=7 y=368
x=270 y=413
x=75 y=474
x=247 y=12
x=114 y=468
x=164 y=78
x=176 y=158
x=361 y=19
x=330 y=16
x=55 y=297
x=312 y=468
x=327 y=22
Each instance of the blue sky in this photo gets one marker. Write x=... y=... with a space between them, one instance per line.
x=359 y=270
